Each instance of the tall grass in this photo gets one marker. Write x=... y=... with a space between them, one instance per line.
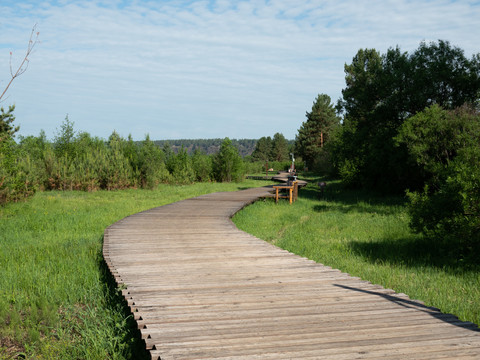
x=367 y=235
x=57 y=299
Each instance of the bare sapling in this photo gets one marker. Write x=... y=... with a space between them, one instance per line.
x=24 y=64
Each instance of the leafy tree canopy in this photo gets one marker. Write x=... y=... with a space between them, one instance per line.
x=381 y=92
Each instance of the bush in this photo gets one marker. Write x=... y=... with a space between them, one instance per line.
x=181 y=168
x=454 y=209
x=16 y=179
x=227 y=163
x=151 y=165
x=322 y=164
x=202 y=166
x=446 y=144
x=349 y=173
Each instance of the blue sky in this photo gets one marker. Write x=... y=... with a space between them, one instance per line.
x=203 y=69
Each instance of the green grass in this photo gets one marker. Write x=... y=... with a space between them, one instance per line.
x=367 y=235
x=57 y=298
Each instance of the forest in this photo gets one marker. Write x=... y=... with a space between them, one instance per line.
x=208 y=146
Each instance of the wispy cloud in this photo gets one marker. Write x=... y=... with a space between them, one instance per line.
x=194 y=69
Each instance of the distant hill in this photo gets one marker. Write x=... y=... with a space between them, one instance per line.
x=209 y=146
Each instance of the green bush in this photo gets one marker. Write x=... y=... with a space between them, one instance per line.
x=446 y=144
x=227 y=163
x=202 y=166
x=151 y=165
x=16 y=179
x=349 y=173
x=181 y=168
x=452 y=212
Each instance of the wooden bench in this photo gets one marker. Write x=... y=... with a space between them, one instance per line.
x=292 y=192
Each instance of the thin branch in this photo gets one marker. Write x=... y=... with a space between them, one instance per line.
x=24 y=64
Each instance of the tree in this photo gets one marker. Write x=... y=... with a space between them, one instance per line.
x=202 y=165
x=279 y=148
x=63 y=142
x=441 y=74
x=446 y=145
x=361 y=95
x=34 y=146
x=263 y=149
x=131 y=152
x=382 y=92
x=151 y=165
x=435 y=136
x=24 y=64
x=181 y=167
x=317 y=130
x=7 y=130
x=227 y=163
x=13 y=180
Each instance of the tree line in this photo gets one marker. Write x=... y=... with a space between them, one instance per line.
x=407 y=122
x=78 y=161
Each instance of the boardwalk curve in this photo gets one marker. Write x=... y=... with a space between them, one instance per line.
x=200 y=288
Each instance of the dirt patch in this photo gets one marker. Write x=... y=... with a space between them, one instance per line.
x=10 y=349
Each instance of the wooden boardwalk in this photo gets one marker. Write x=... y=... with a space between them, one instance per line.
x=200 y=288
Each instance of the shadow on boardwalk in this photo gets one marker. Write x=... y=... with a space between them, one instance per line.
x=419 y=306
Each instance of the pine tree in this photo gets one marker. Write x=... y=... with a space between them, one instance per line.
x=227 y=164
x=7 y=130
x=317 y=130
x=279 y=147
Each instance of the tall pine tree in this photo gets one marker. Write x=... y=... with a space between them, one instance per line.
x=316 y=130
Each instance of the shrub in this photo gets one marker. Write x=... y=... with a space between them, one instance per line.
x=181 y=168
x=202 y=166
x=227 y=163
x=151 y=165
x=16 y=180
x=446 y=144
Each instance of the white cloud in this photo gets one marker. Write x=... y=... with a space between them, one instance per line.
x=204 y=68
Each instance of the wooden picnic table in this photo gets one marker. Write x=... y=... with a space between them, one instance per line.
x=292 y=191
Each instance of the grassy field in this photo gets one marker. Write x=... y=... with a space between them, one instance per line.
x=57 y=298
x=367 y=235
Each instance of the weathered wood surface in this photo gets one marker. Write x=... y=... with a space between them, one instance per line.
x=200 y=288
